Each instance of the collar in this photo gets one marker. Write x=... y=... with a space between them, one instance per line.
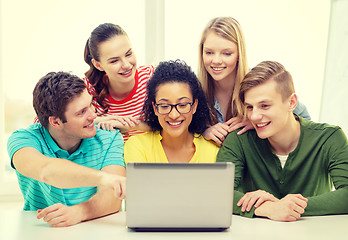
x=83 y=148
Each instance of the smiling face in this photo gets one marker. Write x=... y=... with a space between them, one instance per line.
x=220 y=57
x=267 y=110
x=117 y=59
x=80 y=115
x=174 y=124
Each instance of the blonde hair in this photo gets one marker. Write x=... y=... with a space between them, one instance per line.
x=228 y=28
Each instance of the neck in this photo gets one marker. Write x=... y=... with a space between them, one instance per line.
x=68 y=144
x=225 y=86
x=120 y=91
x=286 y=141
x=179 y=142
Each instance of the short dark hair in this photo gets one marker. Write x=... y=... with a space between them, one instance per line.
x=52 y=94
x=176 y=71
x=264 y=72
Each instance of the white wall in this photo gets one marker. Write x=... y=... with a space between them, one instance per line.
x=39 y=36
x=334 y=107
x=293 y=32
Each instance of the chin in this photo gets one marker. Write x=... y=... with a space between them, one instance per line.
x=262 y=135
x=91 y=134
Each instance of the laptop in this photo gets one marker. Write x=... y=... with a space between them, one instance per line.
x=179 y=196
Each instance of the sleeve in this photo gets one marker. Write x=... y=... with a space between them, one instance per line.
x=134 y=151
x=232 y=151
x=20 y=139
x=334 y=202
x=301 y=110
x=114 y=154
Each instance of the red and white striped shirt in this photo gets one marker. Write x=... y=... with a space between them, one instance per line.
x=132 y=105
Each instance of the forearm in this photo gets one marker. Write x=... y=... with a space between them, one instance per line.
x=63 y=173
x=104 y=202
x=102 y=118
x=142 y=126
x=57 y=172
x=334 y=202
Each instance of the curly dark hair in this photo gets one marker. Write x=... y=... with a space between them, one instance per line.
x=52 y=94
x=176 y=71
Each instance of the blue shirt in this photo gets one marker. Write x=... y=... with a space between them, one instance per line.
x=300 y=110
x=105 y=148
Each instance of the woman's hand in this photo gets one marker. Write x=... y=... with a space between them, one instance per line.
x=217 y=132
x=122 y=123
x=238 y=122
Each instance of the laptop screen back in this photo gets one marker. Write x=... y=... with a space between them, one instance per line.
x=179 y=195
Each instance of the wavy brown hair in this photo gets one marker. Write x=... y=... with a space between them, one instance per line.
x=97 y=78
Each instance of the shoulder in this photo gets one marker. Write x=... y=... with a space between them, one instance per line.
x=107 y=137
x=33 y=131
x=205 y=144
x=301 y=110
x=145 y=139
x=89 y=86
x=322 y=129
x=233 y=138
x=145 y=72
x=146 y=69
x=322 y=136
x=33 y=136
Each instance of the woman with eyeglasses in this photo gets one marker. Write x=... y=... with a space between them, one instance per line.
x=177 y=113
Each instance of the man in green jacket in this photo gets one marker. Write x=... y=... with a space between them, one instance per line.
x=288 y=166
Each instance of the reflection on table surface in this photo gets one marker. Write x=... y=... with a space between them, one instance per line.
x=22 y=225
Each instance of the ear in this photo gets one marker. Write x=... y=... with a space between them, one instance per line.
x=292 y=102
x=55 y=121
x=194 y=106
x=155 y=109
x=97 y=65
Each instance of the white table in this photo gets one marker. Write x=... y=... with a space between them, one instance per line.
x=23 y=225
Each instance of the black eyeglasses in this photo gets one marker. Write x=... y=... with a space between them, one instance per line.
x=164 y=108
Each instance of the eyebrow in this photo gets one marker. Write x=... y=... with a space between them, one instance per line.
x=225 y=49
x=263 y=101
x=179 y=99
x=113 y=58
x=77 y=112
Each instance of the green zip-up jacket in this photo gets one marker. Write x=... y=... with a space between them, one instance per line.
x=319 y=162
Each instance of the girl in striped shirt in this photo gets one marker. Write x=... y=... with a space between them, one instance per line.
x=114 y=80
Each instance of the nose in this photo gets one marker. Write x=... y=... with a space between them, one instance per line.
x=174 y=113
x=255 y=115
x=126 y=64
x=93 y=114
x=217 y=58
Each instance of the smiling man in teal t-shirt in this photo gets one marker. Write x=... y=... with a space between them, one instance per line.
x=67 y=169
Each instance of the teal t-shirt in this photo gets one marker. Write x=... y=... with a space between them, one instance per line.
x=105 y=148
x=319 y=162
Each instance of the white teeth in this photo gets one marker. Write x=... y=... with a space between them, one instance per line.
x=261 y=125
x=218 y=68
x=174 y=123
x=125 y=73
